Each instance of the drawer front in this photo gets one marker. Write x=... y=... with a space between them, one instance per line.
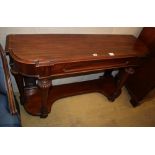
x=88 y=66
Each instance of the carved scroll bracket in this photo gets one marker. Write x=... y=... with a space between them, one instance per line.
x=45 y=83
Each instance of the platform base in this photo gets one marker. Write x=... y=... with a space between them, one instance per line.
x=32 y=104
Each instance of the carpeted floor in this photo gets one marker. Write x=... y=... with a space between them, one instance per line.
x=94 y=110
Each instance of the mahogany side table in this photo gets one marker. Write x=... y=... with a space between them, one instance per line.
x=37 y=59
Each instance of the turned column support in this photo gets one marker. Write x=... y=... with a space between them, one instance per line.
x=44 y=85
x=121 y=79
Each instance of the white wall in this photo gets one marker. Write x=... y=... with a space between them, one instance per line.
x=88 y=30
x=70 y=30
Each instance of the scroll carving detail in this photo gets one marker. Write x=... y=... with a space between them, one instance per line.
x=44 y=83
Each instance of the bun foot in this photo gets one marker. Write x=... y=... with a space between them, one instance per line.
x=134 y=102
x=43 y=115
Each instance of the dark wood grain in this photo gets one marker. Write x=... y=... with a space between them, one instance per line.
x=143 y=81
x=56 y=48
x=41 y=55
x=45 y=57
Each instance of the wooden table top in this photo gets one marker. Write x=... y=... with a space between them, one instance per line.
x=56 y=48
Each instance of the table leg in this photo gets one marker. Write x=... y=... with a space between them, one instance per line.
x=121 y=79
x=44 y=85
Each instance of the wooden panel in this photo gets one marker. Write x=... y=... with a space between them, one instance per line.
x=143 y=80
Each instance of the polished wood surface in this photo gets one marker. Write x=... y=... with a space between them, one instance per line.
x=143 y=81
x=72 y=54
x=38 y=59
x=63 y=47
